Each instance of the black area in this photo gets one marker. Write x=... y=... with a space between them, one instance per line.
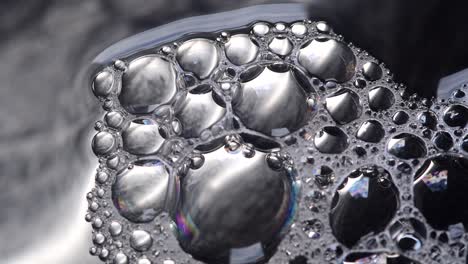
x=420 y=41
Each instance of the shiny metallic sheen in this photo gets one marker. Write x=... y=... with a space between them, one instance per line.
x=140 y=193
x=199 y=112
x=148 y=82
x=140 y=138
x=273 y=103
x=328 y=59
x=233 y=202
x=200 y=56
x=240 y=49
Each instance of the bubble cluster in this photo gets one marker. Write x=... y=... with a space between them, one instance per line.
x=274 y=143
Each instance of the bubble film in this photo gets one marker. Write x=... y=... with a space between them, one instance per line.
x=274 y=142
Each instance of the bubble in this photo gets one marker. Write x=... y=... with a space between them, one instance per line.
x=261 y=29
x=440 y=191
x=273 y=102
x=115 y=228
x=143 y=261
x=328 y=59
x=456 y=116
x=235 y=208
x=120 y=258
x=362 y=204
x=428 y=119
x=443 y=141
x=343 y=106
x=103 y=143
x=240 y=49
x=148 y=82
x=312 y=228
x=281 y=46
x=99 y=239
x=299 y=29
x=400 y=118
x=114 y=119
x=141 y=240
x=324 y=176
x=377 y=258
x=199 y=56
x=141 y=193
x=323 y=27
x=371 y=71
x=199 y=112
x=408 y=234
x=143 y=137
x=381 y=98
x=331 y=140
x=371 y=131
x=406 y=146
x=103 y=83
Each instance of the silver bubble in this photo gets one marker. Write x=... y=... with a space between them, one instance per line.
x=141 y=193
x=381 y=98
x=328 y=59
x=273 y=103
x=371 y=71
x=240 y=49
x=103 y=83
x=141 y=240
x=120 y=258
x=344 y=106
x=199 y=56
x=142 y=137
x=371 y=131
x=114 y=119
x=299 y=29
x=281 y=46
x=115 y=228
x=148 y=82
x=199 y=112
x=261 y=29
x=406 y=146
x=230 y=212
x=103 y=143
x=331 y=140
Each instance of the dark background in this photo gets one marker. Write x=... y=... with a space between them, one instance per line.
x=46 y=115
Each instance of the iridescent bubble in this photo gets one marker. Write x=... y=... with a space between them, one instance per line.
x=226 y=217
x=440 y=191
x=200 y=56
x=365 y=202
x=148 y=82
x=343 y=106
x=406 y=146
x=240 y=49
x=381 y=98
x=142 y=192
x=143 y=137
x=328 y=59
x=331 y=140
